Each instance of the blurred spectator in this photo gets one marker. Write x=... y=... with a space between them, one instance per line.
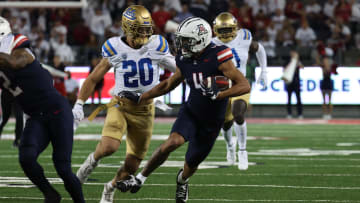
x=271 y=31
x=278 y=19
x=329 y=8
x=42 y=48
x=114 y=29
x=269 y=46
x=92 y=47
x=200 y=9
x=81 y=33
x=294 y=9
x=343 y=10
x=218 y=6
x=33 y=34
x=276 y=5
x=42 y=19
x=260 y=5
x=72 y=88
x=63 y=50
x=286 y=35
x=305 y=35
x=262 y=21
x=185 y=13
x=313 y=10
x=355 y=10
x=98 y=23
x=100 y=84
x=58 y=81
x=161 y=16
x=23 y=26
x=294 y=86
x=244 y=18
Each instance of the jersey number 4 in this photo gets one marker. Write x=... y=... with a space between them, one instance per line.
x=140 y=67
x=16 y=91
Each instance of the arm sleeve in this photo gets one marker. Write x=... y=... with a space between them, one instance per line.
x=261 y=57
x=168 y=62
x=224 y=55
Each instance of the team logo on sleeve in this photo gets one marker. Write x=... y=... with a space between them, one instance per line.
x=202 y=30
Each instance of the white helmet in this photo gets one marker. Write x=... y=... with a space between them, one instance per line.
x=192 y=36
x=4 y=28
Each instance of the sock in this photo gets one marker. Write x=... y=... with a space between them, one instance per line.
x=180 y=178
x=241 y=134
x=228 y=137
x=110 y=185
x=141 y=178
x=92 y=159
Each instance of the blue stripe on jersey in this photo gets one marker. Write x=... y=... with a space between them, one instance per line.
x=111 y=47
x=106 y=51
x=244 y=34
x=249 y=35
x=161 y=43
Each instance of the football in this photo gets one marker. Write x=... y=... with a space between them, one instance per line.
x=222 y=82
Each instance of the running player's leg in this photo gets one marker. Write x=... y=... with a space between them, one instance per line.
x=288 y=106
x=19 y=125
x=298 y=103
x=33 y=142
x=114 y=128
x=239 y=107
x=227 y=132
x=61 y=136
x=6 y=104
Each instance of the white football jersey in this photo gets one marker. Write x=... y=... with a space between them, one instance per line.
x=239 y=47
x=137 y=69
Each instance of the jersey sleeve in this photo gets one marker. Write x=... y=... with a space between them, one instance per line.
x=108 y=48
x=161 y=44
x=20 y=41
x=246 y=34
x=224 y=54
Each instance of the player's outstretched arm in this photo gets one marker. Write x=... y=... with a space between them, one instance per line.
x=259 y=50
x=18 y=59
x=88 y=87
x=241 y=85
x=164 y=86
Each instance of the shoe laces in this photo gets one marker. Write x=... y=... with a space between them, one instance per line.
x=182 y=190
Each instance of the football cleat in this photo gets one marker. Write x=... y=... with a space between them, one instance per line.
x=107 y=194
x=131 y=183
x=182 y=190
x=225 y=27
x=243 y=160
x=86 y=168
x=231 y=155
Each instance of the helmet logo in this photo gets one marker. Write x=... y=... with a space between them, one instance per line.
x=202 y=30
x=130 y=14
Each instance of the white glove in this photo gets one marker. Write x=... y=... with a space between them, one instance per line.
x=78 y=112
x=262 y=79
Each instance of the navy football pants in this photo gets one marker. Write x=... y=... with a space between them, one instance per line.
x=55 y=127
x=200 y=135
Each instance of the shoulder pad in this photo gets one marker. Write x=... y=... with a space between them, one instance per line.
x=245 y=33
x=159 y=43
x=20 y=41
x=108 y=48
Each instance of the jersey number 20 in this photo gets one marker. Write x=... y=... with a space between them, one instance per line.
x=16 y=91
x=135 y=68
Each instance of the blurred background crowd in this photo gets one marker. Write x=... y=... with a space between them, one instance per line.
x=74 y=36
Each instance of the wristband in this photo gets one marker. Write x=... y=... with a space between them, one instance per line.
x=79 y=101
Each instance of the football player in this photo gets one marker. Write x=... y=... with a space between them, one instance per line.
x=200 y=118
x=136 y=58
x=49 y=114
x=240 y=41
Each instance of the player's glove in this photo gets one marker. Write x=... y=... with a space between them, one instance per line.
x=133 y=96
x=210 y=90
x=262 y=79
x=78 y=111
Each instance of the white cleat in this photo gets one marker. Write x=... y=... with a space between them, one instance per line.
x=243 y=160
x=231 y=156
x=108 y=194
x=86 y=168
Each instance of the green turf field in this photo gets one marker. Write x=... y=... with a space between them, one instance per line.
x=289 y=163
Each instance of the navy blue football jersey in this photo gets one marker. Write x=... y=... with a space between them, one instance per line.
x=32 y=86
x=194 y=71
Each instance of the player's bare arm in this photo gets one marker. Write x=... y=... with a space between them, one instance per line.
x=254 y=47
x=88 y=87
x=164 y=86
x=241 y=85
x=18 y=59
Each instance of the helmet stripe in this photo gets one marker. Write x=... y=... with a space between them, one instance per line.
x=111 y=47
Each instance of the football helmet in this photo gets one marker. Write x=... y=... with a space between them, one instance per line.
x=192 y=36
x=5 y=28
x=225 y=27
x=137 y=23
